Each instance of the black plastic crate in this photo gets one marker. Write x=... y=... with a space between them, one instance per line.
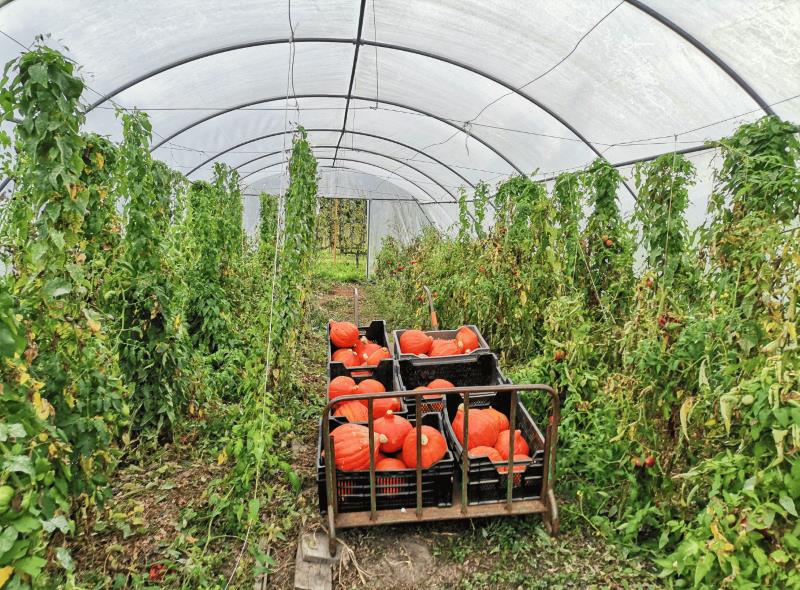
x=393 y=489
x=376 y=332
x=486 y=484
x=441 y=335
x=465 y=371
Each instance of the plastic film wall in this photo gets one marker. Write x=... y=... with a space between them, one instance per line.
x=414 y=100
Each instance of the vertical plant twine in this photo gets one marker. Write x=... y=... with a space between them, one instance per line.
x=663 y=295
x=278 y=238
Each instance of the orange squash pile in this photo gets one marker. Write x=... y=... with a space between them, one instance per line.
x=488 y=437
x=419 y=343
x=344 y=385
x=395 y=445
x=353 y=350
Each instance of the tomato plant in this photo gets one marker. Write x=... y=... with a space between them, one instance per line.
x=69 y=400
x=297 y=247
x=152 y=345
x=681 y=421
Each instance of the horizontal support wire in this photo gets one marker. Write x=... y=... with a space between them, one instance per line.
x=329 y=129
x=413 y=109
x=363 y=150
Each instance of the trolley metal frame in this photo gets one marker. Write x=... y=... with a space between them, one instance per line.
x=460 y=509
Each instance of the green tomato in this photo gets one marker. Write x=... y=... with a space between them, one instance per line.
x=6 y=495
x=747 y=400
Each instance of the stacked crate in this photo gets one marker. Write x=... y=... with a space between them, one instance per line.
x=487 y=481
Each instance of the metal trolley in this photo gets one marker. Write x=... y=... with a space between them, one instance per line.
x=545 y=504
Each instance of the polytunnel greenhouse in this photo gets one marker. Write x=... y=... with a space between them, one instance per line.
x=377 y=294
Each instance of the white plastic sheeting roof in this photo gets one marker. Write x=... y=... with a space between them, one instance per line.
x=425 y=96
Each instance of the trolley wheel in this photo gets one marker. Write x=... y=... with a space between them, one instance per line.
x=552 y=523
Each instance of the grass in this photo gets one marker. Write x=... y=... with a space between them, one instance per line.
x=343 y=270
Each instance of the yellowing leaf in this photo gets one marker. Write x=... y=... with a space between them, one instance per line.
x=222 y=457
x=686 y=411
x=42 y=406
x=94 y=326
x=69 y=398
x=778 y=436
x=523 y=297
x=726 y=409
x=5 y=574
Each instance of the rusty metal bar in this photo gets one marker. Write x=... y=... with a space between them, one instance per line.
x=548 y=437
x=372 y=485
x=465 y=457
x=449 y=390
x=511 y=441
x=330 y=475
x=554 y=438
x=418 y=416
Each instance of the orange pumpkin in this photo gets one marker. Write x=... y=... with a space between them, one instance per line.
x=440 y=384
x=444 y=348
x=351 y=447
x=370 y=386
x=482 y=428
x=341 y=386
x=488 y=452
x=392 y=431
x=377 y=356
x=415 y=342
x=434 y=447
x=359 y=346
x=466 y=340
x=517 y=468
x=347 y=357
x=429 y=395
x=367 y=350
x=353 y=410
x=520 y=446
x=382 y=406
x=390 y=464
x=344 y=334
x=502 y=421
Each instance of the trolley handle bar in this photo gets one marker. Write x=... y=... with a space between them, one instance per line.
x=507 y=389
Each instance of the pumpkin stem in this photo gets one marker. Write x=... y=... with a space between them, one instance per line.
x=382 y=439
x=389 y=413
x=424 y=440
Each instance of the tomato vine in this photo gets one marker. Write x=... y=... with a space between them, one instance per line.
x=152 y=347
x=68 y=375
x=297 y=247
